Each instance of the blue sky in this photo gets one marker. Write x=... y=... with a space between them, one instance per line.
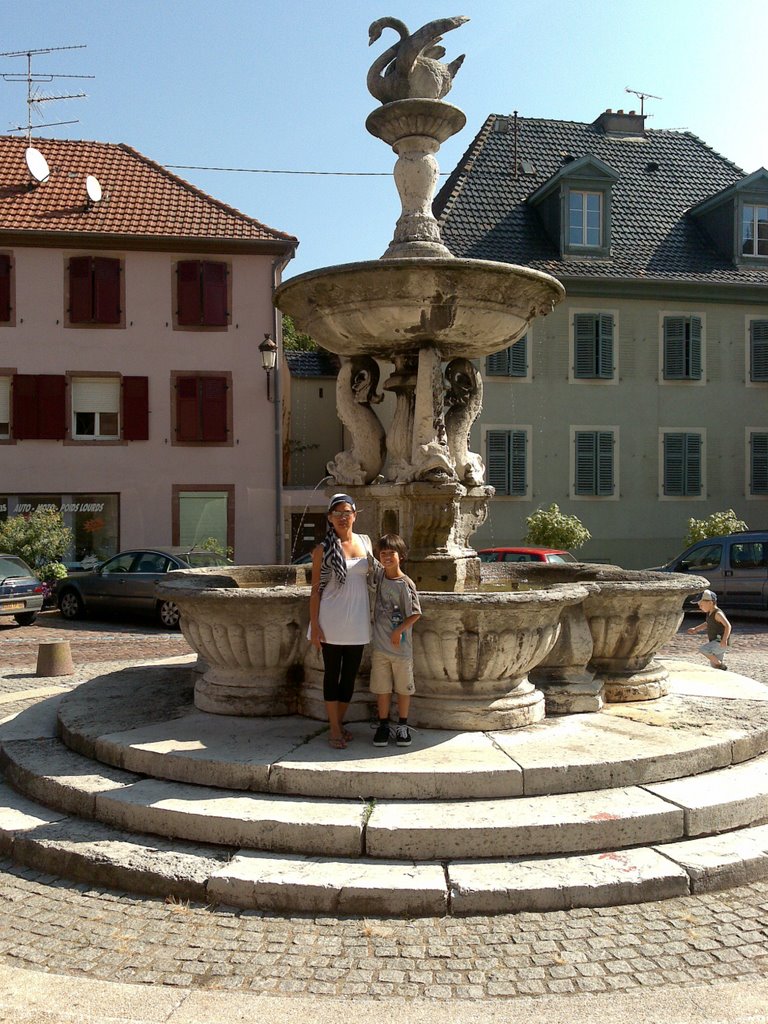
x=258 y=84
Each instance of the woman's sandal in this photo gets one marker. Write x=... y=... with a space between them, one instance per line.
x=337 y=742
x=348 y=737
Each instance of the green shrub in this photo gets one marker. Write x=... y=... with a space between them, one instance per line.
x=716 y=525
x=40 y=538
x=551 y=528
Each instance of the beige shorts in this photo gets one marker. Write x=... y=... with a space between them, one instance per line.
x=391 y=673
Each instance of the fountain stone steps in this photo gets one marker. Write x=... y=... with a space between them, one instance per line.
x=709 y=721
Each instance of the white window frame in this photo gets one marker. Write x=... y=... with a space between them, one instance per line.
x=754 y=207
x=685 y=382
x=592 y=311
x=603 y=428
x=702 y=432
x=115 y=383
x=5 y=405
x=527 y=429
x=586 y=193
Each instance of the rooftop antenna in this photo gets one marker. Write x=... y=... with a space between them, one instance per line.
x=642 y=96
x=35 y=96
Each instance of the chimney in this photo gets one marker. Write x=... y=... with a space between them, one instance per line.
x=631 y=125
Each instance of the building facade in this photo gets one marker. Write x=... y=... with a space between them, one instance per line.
x=642 y=400
x=132 y=395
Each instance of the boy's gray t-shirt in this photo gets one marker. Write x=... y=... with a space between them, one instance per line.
x=395 y=601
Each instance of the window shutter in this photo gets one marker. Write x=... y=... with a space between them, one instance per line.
x=135 y=412
x=497 y=365
x=95 y=394
x=692 y=464
x=497 y=442
x=759 y=464
x=213 y=394
x=80 y=290
x=585 y=344
x=758 y=350
x=106 y=290
x=605 y=351
x=695 y=348
x=187 y=418
x=674 y=347
x=604 y=440
x=517 y=459
x=214 y=290
x=51 y=413
x=188 y=294
x=24 y=406
x=674 y=455
x=518 y=358
x=585 y=463
x=5 y=288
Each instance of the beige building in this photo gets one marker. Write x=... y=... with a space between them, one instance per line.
x=642 y=400
x=132 y=394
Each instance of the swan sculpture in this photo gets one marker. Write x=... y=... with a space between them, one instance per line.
x=411 y=68
x=356 y=391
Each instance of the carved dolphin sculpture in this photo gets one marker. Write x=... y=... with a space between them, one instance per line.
x=410 y=68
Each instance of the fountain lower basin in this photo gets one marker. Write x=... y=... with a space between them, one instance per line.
x=384 y=307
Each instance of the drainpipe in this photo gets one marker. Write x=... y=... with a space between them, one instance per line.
x=278 y=266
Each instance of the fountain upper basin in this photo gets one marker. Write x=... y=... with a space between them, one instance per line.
x=463 y=307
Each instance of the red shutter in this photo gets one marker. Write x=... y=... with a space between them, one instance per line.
x=80 y=290
x=106 y=290
x=215 y=294
x=24 y=406
x=214 y=407
x=5 y=289
x=189 y=311
x=187 y=418
x=51 y=416
x=135 y=409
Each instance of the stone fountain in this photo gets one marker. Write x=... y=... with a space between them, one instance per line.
x=428 y=314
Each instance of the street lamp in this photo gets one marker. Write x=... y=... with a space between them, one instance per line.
x=268 y=349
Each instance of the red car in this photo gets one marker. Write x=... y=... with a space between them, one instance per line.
x=525 y=555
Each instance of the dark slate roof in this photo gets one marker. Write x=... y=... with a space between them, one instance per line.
x=483 y=211
x=312 y=364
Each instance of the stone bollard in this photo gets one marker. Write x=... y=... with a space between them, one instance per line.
x=54 y=659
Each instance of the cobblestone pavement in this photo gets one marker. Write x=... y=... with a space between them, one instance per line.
x=49 y=924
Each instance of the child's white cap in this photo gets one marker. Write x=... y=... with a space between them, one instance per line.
x=708 y=595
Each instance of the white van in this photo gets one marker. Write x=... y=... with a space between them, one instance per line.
x=736 y=566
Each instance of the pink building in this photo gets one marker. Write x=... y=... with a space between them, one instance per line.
x=132 y=393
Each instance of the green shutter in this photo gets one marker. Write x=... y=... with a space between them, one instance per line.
x=497 y=442
x=497 y=365
x=517 y=461
x=674 y=347
x=758 y=483
x=604 y=445
x=585 y=463
x=585 y=345
x=518 y=358
x=692 y=464
x=682 y=464
x=605 y=346
x=694 y=348
x=758 y=350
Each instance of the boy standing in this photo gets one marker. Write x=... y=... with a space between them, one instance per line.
x=396 y=608
x=718 y=630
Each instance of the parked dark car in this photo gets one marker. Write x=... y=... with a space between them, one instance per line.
x=21 y=592
x=126 y=583
x=525 y=554
x=736 y=565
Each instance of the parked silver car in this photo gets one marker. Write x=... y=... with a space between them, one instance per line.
x=21 y=592
x=126 y=583
x=736 y=566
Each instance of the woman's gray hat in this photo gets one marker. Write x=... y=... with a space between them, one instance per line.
x=337 y=500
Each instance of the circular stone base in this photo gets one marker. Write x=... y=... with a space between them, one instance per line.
x=650 y=684
x=265 y=698
x=523 y=706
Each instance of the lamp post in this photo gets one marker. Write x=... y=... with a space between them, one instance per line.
x=268 y=349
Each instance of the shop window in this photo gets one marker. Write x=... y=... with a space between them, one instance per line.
x=94 y=290
x=202 y=293
x=203 y=408
x=682 y=465
x=203 y=513
x=5 y=289
x=37 y=406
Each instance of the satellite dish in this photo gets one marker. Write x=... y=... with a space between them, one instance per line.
x=93 y=188
x=37 y=164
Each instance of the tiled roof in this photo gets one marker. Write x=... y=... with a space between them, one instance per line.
x=312 y=364
x=483 y=211
x=139 y=196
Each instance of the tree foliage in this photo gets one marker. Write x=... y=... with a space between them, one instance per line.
x=40 y=538
x=551 y=528
x=716 y=525
x=295 y=340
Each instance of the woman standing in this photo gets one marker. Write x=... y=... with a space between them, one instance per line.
x=339 y=617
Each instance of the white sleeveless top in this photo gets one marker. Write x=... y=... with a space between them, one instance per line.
x=344 y=610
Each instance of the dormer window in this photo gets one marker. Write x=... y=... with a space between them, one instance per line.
x=585 y=219
x=754 y=230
